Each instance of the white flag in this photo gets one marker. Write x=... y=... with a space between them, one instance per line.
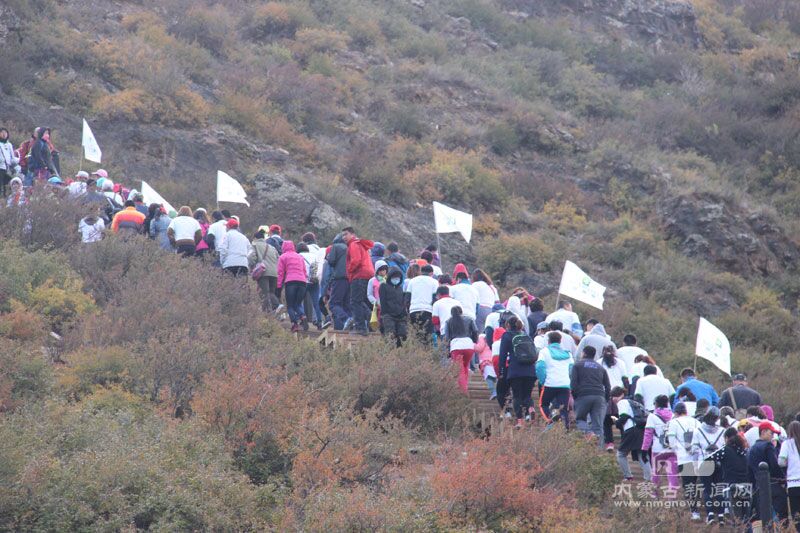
x=91 y=150
x=150 y=196
x=229 y=190
x=449 y=220
x=576 y=284
x=713 y=345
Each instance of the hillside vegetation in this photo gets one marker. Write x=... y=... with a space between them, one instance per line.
x=654 y=143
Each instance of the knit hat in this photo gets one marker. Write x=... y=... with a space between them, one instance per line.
x=379 y=264
x=275 y=229
x=232 y=223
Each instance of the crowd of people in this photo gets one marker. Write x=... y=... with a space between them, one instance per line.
x=691 y=442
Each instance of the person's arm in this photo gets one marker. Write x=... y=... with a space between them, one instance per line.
x=541 y=371
x=371 y=291
x=115 y=223
x=574 y=380
x=714 y=397
x=198 y=236
x=281 y=270
x=725 y=398
x=649 y=432
x=607 y=385
x=505 y=350
x=473 y=331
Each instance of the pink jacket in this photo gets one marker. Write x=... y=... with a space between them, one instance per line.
x=484 y=352
x=291 y=265
x=663 y=414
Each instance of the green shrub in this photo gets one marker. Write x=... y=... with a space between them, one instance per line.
x=506 y=254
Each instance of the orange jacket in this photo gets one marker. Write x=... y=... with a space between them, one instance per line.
x=129 y=218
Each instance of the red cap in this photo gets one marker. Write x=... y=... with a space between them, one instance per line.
x=275 y=228
x=232 y=223
x=763 y=426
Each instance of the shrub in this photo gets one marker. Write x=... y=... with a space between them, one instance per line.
x=275 y=20
x=407 y=121
x=505 y=254
x=183 y=108
x=563 y=217
x=24 y=374
x=101 y=465
x=93 y=369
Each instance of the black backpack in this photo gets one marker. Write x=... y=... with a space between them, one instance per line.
x=524 y=349
x=639 y=414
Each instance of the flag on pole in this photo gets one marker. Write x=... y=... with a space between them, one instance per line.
x=713 y=345
x=150 y=196
x=229 y=190
x=576 y=284
x=91 y=150
x=449 y=220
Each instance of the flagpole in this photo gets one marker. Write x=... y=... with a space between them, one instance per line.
x=441 y=254
x=694 y=367
x=80 y=165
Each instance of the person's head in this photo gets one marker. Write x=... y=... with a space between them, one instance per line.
x=152 y=209
x=739 y=379
x=609 y=356
x=16 y=185
x=629 y=340
x=733 y=438
x=556 y=325
x=456 y=311
x=427 y=256
x=395 y=276
x=443 y=291
x=431 y=248
x=185 y=211
x=513 y=324
x=232 y=224
x=755 y=411
x=3 y=134
x=275 y=229
x=381 y=268
x=541 y=328
x=445 y=279
x=348 y=234
x=130 y=203
x=711 y=416
x=201 y=215
x=702 y=405
x=427 y=270
x=589 y=352
x=617 y=393
x=480 y=275
x=687 y=374
x=108 y=186
x=45 y=134
x=650 y=370
x=661 y=401
x=301 y=248
x=392 y=247
x=413 y=271
x=797 y=419
x=766 y=431
x=226 y=214
x=565 y=305
x=309 y=238
x=91 y=185
x=726 y=413
x=259 y=234
x=536 y=305
x=216 y=216
x=590 y=324
x=554 y=337
x=793 y=432
x=461 y=276
x=680 y=409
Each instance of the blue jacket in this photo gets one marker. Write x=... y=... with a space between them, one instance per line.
x=700 y=389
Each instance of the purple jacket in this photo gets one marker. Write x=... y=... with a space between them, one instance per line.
x=291 y=265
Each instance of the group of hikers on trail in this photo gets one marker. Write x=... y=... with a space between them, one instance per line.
x=691 y=442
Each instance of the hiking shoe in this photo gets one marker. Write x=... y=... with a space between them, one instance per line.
x=710 y=518
x=518 y=425
x=721 y=518
x=304 y=323
x=610 y=447
x=347 y=324
x=507 y=414
x=295 y=328
x=527 y=418
x=493 y=396
x=695 y=516
x=280 y=308
x=326 y=324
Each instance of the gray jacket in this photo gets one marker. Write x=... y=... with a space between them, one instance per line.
x=337 y=259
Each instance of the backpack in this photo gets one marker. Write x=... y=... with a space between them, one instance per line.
x=663 y=439
x=688 y=435
x=639 y=414
x=313 y=271
x=524 y=349
x=711 y=447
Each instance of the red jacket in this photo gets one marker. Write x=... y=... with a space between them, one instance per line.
x=359 y=263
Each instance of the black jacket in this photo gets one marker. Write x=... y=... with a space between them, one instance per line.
x=40 y=157
x=734 y=464
x=589 y=378
x=337 y=259
x=764 y=451
x=391 y=296
x=276 y=241
x=744 y=395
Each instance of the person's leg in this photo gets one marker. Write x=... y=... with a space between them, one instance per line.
x=622 y=461
x=562 y=402
x=290 y=292
x=597 y=413
x=547 y=397
x=517 y=396
x=313 y=288
x=400 y=331
x=338 y=295
x=583 y=406
x=644 y=461
x=779 y=503
x=527 y=396
x=708 y=491
x=359 y=303
x=794 y=504
x=387 y=326
x=308 y=307
x=461 y=358
x=263 y=292
x=502 y=392
x=491 y=383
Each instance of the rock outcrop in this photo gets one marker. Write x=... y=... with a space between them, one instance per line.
x=723 y=233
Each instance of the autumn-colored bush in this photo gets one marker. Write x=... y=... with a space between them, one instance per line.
x=505 y=254
x=276 y=19
x=25 y=374
x=89 y=370
x=101 y=464
x=181 y=108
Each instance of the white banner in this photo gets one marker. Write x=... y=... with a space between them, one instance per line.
x=229 y=190
x=713 y=345
x=576 y=284
x=150 y=196
x=449 y=220
x=91 y=150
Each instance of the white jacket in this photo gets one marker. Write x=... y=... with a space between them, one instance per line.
x=234 y=249
x=8 y=157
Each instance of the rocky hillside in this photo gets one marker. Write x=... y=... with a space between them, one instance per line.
x=653 y=141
